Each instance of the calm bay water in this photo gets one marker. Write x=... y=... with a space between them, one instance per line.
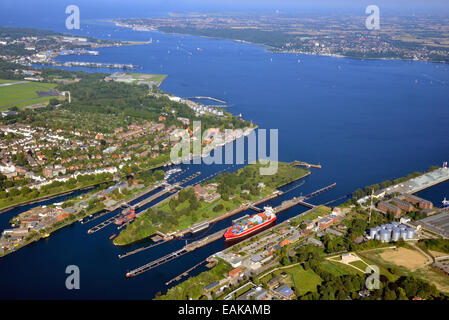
x=364 y=121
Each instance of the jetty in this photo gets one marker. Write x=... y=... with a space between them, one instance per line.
x=129 y=253
x=208 y=98
x=305 y=164
x=176 y=254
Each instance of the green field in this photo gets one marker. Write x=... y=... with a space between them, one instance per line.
x=23 y=94
x=338 y=269
x=7 y=81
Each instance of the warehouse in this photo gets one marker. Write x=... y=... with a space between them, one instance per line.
x=388 y=207
x=437 y=223
x=404 y=205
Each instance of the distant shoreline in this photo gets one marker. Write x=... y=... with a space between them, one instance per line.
x=277 y=50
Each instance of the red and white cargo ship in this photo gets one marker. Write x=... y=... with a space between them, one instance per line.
x=250 y=225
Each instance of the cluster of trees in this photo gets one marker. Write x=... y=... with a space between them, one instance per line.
x=440 y=245
x=26 y=193
x=7 y=70
x=94 y=95
x=148 y=176
x=187 y=197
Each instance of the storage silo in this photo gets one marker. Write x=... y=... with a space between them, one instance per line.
x=404 y=234
x=385 y=235
x=395 y=223
x=410 y=233
x=372 y=232
x=396 y=234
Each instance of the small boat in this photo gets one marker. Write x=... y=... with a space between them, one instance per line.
x=445 y=202
x=112 y=236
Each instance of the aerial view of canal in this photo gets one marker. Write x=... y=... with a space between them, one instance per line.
x=324 y=110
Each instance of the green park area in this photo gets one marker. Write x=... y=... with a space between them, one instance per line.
x=24 y=94
x=185 y=209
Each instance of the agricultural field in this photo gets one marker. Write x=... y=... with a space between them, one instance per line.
x=24 y=94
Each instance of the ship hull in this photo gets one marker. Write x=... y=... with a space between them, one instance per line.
x=229 y=236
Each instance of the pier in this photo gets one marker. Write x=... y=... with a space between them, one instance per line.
x=185 y=273
x=302 y=200
x=305 y=164
x=156 y=263
x=126 y=203
x=129 y=253
x=176 y=254
x=104 y=224
x=208 y=98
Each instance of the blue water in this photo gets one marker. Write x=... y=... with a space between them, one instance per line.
x=364 y=121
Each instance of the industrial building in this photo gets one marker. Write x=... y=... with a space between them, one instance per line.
x=438 y=223
x=392 y=232
x=404 y=205
x=422 y=203
x=387 y=207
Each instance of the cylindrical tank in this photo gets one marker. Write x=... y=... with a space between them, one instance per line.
x=372 y=233
x=395 y=234
x=404 y=234
x=395 y=223
x=410 y=233
x=385 y=235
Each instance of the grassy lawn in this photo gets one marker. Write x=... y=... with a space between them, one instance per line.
x=338 y=269
x=8 y=81
x=14 y=94
x=359 y=264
